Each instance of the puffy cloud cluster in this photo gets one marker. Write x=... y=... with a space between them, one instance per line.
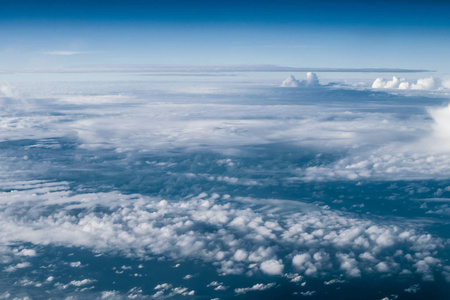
x=231 y=234
x=166 y=290
x=425 y=157
x=310 y=80
x=429 y=83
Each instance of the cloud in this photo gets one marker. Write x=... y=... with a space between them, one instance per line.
x=413 y=289
x=79 y=283
x=242 y=235
x=8 y=90
x=310 y=80
x=166 y=290
x=26 y=252
x=425 y=156
x=290 y=82
x=429 y=83
x=18 y=266
x=441 y=125
x=272 y=267
x=196 y=163
x=256 y=287
x=218 y=286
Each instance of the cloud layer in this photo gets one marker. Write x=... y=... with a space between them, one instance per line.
x=230 y=177
x=299 y=238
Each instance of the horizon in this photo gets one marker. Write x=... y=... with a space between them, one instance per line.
x=319 y=34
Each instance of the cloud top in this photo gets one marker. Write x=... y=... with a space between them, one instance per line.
x=310 y=80
x=429 y=83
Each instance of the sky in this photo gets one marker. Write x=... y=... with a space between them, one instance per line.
x=317 y=34
x=161 y=149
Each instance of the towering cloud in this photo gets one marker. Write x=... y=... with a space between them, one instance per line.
x=310 y=80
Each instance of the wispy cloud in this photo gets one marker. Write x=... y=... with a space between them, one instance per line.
x=201 y=68
x=64 y=52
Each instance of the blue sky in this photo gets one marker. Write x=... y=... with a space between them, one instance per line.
x=344 y=34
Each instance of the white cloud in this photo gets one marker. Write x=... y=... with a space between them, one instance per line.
x=240 y=255
x=256 y=287
x=349 y=265
x=75 y=264
x=272 y=267
x=290 y=82
x=218 y=286
x=426 y=156
x=26 y=252
x=310 y=80
x=166 y=290
x=429 y=83
x=300 y=260
x=334 y=281
x=151 y=227
x=8 y=90
x=79 y=282
x=18 y=266
x=382 y=267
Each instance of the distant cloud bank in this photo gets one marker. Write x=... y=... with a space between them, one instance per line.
x=429 y=83
x=196 y=68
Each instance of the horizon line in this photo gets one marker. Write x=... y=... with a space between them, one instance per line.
x=206 y=68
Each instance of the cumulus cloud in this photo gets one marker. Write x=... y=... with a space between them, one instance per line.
x=242 y=235
x=79 y=283
x=290 y=82
x=26 y=252
x=429 y=83
x=310 y=80
x=18 y=266
x=256 y=287
x=272 y=267
x=166 y=290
